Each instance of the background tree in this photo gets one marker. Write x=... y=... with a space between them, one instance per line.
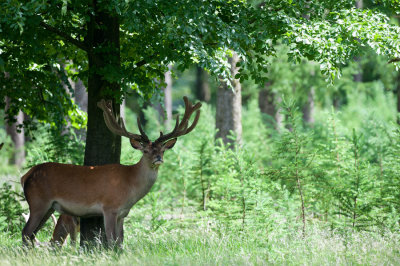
x=202 y=87
x=229 y=107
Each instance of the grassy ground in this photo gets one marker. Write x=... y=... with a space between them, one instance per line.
x=205 y=246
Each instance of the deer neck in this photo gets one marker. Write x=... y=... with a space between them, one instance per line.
x=147 y=172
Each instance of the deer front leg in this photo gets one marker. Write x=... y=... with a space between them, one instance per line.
x=110 y=224
x=120 y=231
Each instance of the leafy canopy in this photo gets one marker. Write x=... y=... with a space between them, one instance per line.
x=44 y=43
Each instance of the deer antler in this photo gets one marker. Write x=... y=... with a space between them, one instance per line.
x=182 y=128
x=119 y=129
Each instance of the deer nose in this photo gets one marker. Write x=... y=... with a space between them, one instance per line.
x=158 y=158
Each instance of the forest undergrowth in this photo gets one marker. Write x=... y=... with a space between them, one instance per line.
x=326 y=194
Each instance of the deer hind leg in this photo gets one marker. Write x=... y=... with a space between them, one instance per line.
x=44 y=220
x=37 y=218
x=66 y=224
x=60 y=232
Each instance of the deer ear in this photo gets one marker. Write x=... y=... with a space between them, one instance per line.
x=169 y=144
x=136 y=144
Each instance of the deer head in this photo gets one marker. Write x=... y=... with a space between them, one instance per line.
x=152 y=151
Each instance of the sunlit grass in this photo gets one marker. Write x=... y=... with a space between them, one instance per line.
x=201 y=246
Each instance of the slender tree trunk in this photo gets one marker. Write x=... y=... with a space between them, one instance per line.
x=267 y=102
x=398 y=94
x=229 y=108
x=168 y=96
x=358 y=77
x=308 y=108
x=81 y=95
x=165 y=114
x=81 y=99
x=398 y=98
x=17 y=136
x=359 y=4
x=102 y=146
x=202 y=88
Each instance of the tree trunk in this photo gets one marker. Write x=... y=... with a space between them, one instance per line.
x=17 y=136
x=102 y=146
x=165 y=114
x=358 y=76
x=168 y=96
x=81 y=99
x=267 y=102
x=308 y=108
x=398 y=98
x=202 y=88
x=229 y=108
x=81 y=96
x=398 y=94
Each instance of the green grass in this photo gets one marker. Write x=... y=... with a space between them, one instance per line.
x=202 y=245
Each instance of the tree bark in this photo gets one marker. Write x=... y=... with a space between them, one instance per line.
x=267 y=102
x=229 y=108
x=358 y=77
x=165 y=114
x=17 y=136
x=81 y=95
x=102 y=146
x=168 y=96
x=398 y=94
x=308 y=108
x=398 y=98
x=202 y=88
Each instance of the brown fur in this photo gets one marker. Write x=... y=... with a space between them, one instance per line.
x=109 y=190
x=66 y=225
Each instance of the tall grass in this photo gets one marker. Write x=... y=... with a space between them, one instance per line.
x=202 y=246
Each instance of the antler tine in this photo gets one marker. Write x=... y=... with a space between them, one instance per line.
x=112 y=123
x=144 y=136
x=194 y=124
x=182 y=127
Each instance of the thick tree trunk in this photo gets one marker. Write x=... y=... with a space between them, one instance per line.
x=308 y=108
x=102 y=146
x=202 y=88
x=267 y=102
x=17 y=136
x=229 y=108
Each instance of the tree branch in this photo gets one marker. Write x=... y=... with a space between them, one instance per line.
x=141 y=63
x=65 y=36
x=393 y=60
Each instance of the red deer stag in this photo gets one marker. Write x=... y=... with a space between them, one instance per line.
x=107 y=190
